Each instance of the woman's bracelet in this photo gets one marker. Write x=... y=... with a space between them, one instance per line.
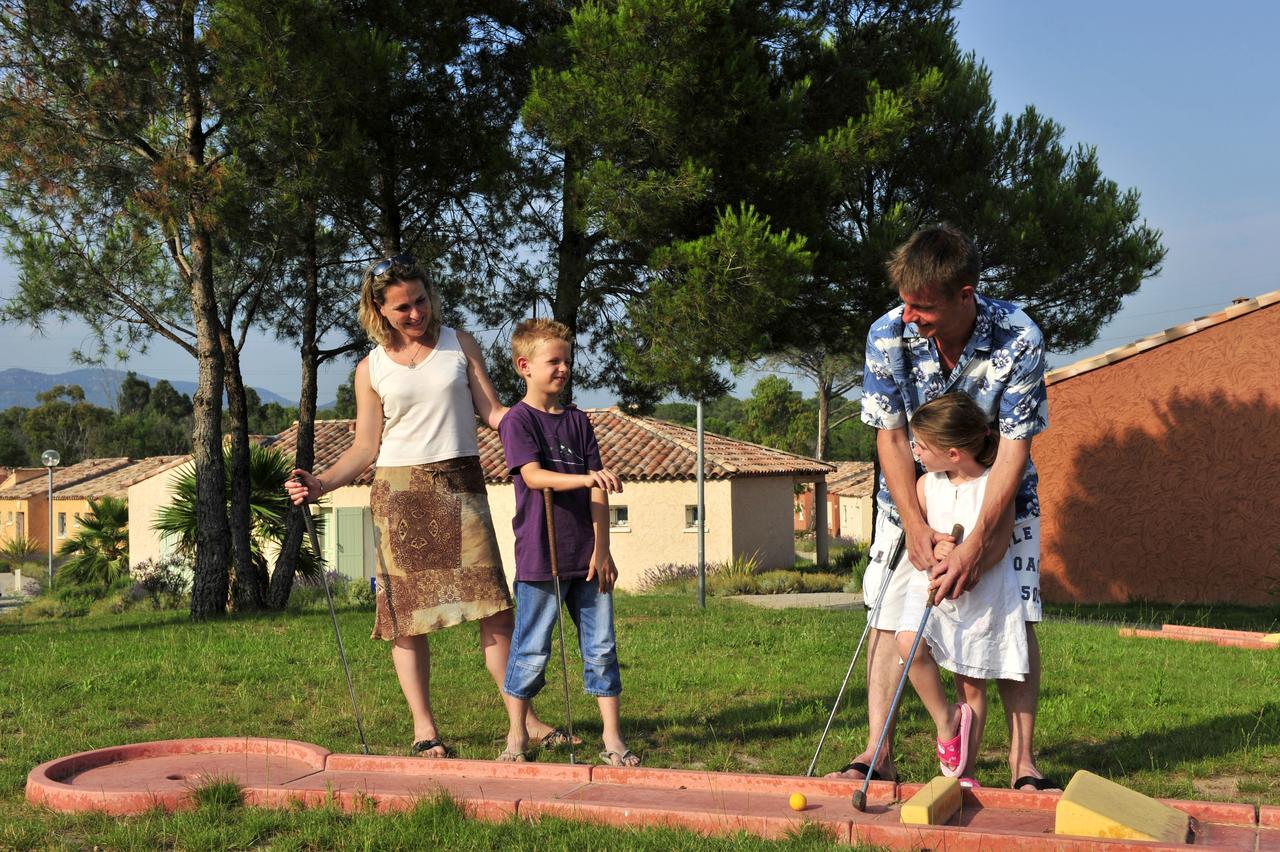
x=322 y=488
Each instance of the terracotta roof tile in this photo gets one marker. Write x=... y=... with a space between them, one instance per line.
x=117 y=482
x=638 y=449
x=63 y=477
x=852 y=479
x=1120 y=353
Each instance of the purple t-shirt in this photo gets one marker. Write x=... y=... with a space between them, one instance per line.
x=564 y=443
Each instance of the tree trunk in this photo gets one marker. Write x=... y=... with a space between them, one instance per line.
x=571 y=260
x=824 y=418
x=287 y=562
x=209 y=585
x=390 y=226
x=248 y=578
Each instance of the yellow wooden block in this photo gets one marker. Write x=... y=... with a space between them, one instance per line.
x=1272 y=638
x=1092 y=806
x=935 y=804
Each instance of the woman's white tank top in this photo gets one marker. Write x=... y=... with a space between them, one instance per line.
x=427 y=411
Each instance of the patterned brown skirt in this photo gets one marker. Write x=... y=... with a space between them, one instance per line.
x=438 y=562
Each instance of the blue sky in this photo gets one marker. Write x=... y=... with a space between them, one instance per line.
x=1180 y=102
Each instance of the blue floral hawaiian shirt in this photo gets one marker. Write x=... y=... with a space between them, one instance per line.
x=1002 y=368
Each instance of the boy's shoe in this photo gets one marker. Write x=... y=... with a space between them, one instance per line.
x=555 y=738
x=954 y=753
x=512 y=757
x=628 y=758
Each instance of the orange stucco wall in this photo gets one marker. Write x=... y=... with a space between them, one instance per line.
x=1158 y=473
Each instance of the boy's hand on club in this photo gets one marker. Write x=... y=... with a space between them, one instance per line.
x=942 y=549
x=602 y=569
x=606 y=480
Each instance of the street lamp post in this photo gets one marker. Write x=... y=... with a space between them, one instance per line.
x=50 y=459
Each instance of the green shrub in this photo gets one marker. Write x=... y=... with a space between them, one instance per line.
x=741 y=565
x=843 y=559
x=822 y=582
x=71 y=602
x=731 y=584
x=857 y=572
x=360 y=595
x=164 y=582
x=779 y=582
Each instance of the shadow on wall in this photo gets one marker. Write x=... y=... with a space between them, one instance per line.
x=1182 y=509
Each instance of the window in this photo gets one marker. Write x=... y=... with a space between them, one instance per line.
x=9 y=520
x=691 y=517
x=618 y=517
x=62 y=524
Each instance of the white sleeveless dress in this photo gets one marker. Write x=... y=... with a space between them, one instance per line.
x=983 y=632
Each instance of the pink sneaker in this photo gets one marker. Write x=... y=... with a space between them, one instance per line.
x=954 y=753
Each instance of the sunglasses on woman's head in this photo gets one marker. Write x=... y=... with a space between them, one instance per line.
x=383 y=266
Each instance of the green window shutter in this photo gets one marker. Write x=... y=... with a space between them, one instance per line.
x=350 y=541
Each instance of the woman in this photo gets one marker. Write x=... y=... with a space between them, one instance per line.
x=417 y=395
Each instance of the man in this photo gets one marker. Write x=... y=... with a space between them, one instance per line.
x=944 y=338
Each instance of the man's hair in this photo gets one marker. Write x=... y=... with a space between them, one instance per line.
x=939 y=258
x=531 y=332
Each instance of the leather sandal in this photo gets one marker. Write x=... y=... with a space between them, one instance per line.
x=421 y=747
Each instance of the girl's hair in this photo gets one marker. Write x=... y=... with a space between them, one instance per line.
x=531 y=332
x=955 y=420
x=373 y=286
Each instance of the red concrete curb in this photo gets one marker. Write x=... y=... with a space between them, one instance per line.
x=389 y=764
x=1208 y=635
x=169 y=770
x=285 y=773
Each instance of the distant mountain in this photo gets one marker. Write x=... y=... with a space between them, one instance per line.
x=101 y=386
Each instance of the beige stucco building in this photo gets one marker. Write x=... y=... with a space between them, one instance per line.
x=24 y=500
x=748 y=489
x=850 y=492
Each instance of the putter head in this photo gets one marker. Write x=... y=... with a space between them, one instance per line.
x=860 y=801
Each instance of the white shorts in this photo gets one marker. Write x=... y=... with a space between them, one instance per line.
x=1024 y=551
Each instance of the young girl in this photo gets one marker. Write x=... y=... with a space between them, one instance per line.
x=981 y=633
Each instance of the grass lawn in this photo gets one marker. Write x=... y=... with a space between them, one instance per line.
x=731 y=688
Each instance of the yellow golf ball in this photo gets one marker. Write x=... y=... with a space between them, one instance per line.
x=798 y=801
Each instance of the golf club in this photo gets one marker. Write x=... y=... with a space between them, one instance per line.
x=333 y=615
x=895 y=554
x=555 y=579
x=860 y=796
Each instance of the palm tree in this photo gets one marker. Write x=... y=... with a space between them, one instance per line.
x=99 y=551
x=269 y=509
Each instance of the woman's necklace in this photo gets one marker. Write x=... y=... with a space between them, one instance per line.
x=413 y=361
